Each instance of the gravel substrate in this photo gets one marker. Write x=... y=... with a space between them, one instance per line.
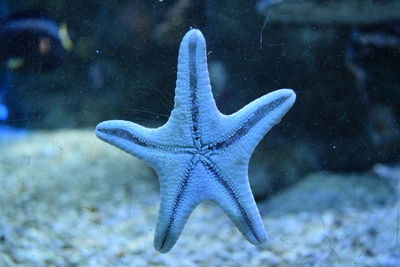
x=67 y=199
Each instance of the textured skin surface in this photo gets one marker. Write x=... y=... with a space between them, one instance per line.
x=201 y=154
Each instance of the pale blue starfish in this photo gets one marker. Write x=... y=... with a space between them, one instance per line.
x=201 y=154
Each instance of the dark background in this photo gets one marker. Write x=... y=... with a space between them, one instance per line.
x=123 y=66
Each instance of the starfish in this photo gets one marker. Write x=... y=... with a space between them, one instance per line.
x=201 y=154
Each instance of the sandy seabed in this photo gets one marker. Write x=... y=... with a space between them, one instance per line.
x=68 y=199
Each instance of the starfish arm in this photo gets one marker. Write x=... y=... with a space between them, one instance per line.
x=236 y=199
x=247 y=126
x=194 y=102
x=179 y=189
x=144 y=143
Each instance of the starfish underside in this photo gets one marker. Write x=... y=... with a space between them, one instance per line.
x=201 y=154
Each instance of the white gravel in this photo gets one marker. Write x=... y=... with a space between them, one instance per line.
x=67 y=199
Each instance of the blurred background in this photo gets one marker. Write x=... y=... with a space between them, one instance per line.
x=341 y=58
